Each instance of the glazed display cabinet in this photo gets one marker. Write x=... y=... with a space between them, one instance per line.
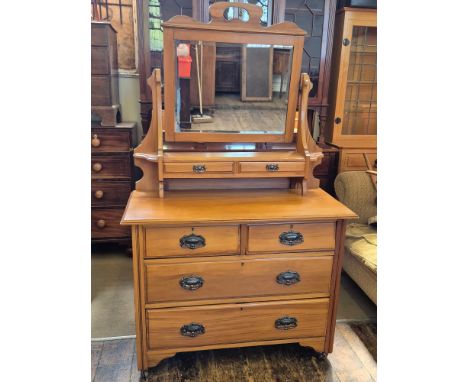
x=352 y=121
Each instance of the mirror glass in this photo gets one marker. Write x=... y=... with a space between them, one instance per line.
x=231 y=87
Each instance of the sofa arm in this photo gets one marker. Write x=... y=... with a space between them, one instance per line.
x=356 y=191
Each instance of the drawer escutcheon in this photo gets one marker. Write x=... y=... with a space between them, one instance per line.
x=272 y=167
x=291 y=238
x=199 y=168
x=192 y=330
x=286 y=323
x=191 y=282
x=288 y=278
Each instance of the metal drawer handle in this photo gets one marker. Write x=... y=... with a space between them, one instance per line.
x=199 y=168
x=291 y=238
x=272 y=167
x=192 y=241
x=191 y=282
x=286 y=323
x=192 y=330
x=288 y=278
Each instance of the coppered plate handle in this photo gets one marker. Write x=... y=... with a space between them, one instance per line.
x=199 y=168
x=192 y=330
x=288 y=278
x=272 y=167
x=286 y=323
x=291 y=238
x=192 y=241
x=191 y=282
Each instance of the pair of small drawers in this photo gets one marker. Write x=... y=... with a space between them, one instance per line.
x=283 y=262
x=232 y=168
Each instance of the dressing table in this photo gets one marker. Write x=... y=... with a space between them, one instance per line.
x=234 y=244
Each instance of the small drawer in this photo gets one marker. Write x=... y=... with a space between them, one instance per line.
x=112 y=166
x=187 y=327
x=215 y=279
x=199 y=168
x=192 y=241
x=110 y=193
x=291 y=237
x=104 y=140
x=271 y=167
x=105 y=223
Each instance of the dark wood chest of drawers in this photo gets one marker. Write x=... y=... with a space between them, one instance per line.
x=112 y=180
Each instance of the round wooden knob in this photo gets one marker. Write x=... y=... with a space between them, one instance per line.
x=97 y=167
x=95 y=142
x=99 y=194
x=101 y=223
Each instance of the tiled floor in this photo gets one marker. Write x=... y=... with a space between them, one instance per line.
x=354 y=359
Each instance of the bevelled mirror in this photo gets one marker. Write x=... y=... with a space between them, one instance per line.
x=226 y=84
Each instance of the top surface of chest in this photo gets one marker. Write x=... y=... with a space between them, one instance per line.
x=180 y=207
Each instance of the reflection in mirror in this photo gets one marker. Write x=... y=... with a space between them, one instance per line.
x=232 y=88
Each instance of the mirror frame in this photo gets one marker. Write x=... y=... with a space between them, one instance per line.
x=234 y=31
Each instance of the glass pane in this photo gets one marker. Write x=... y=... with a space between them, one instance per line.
x=360 y=114
x=232 y=87
x=308 y=15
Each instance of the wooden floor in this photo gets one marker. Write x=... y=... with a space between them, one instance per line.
x=354 y=359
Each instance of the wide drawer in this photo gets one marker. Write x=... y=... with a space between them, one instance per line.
x=213 y=279
x=235 y=323
x=105 y=223
x=110 y=193
x=105 y=140
x=199 y=168
x=291 y=237
x=192 y=241
x=271 y=167
x=100 y=60
x=111 y=166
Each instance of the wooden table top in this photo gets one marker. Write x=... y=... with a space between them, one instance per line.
x=232 y=206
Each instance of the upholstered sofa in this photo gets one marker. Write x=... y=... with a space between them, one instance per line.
x=356 y=190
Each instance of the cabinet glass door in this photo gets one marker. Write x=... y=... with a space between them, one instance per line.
x=360 y=109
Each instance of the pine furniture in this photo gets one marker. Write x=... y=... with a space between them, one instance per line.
x=352 y=121
x=234 y=244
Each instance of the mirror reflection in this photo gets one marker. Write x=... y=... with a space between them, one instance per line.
x=232 y=88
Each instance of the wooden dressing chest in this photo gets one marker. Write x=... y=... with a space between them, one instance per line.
x=234 y=244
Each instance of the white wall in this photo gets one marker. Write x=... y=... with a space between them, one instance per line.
x=129 y=95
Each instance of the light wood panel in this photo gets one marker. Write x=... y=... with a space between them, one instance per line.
x=235 y=323
x=234 y=206
x=263 y=166
x=207 y=168
x=316 y=236
x=237 y=278
x=165 y=242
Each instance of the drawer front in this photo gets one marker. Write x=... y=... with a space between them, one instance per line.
x=101 y=92
x=110 y=193
x=103 y=167
x=271 y=167
x=354 y=161
x=98 y=35
x=235 y=323
x=199 y=168
x=105 y=223
x=110 y=141
x=236 y=278
x=192 y=241
x=291 y=237
x=100 y=60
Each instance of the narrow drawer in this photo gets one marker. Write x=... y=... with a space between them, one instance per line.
x=199 y=168
x=192 y=241
x=170 y=281
x=105 y=140
x=110 y=193
x=235 y=323
x=112 y=166
x=291 y=237
x=105 y=223
x=268 y=167
x=100 y=60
